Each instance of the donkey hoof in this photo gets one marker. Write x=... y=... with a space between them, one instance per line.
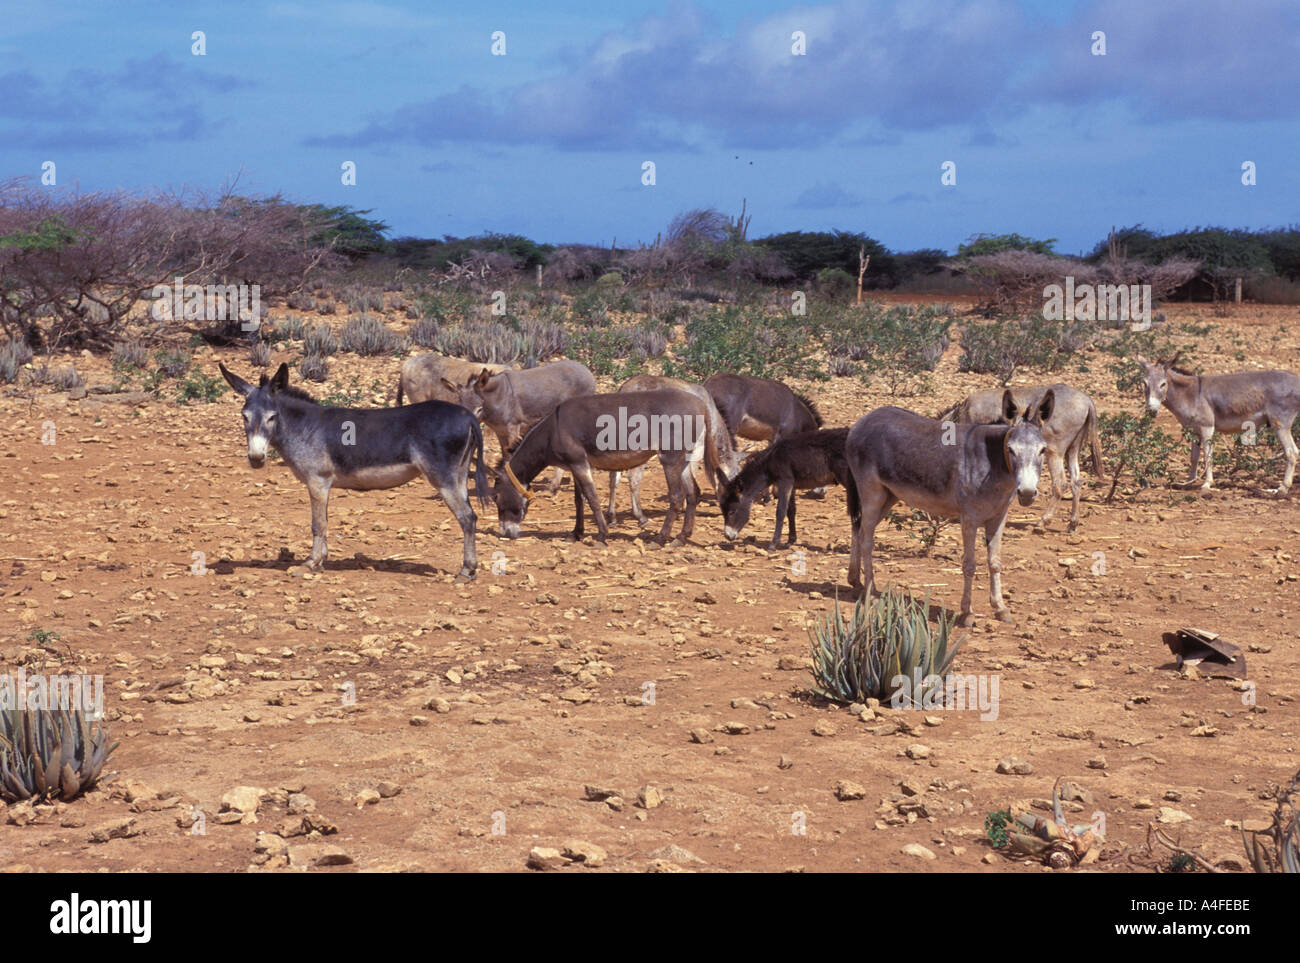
x=1072 y=527
x=466 y=575
x=1002 y=615
x=966 y=620
x=679 y=541
x=314 y=564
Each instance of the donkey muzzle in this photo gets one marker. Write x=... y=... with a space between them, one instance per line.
x=509 y=529
x=731 y=533
x=1027 y=497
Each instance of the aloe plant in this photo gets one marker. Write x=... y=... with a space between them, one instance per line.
x=50 y=753
x=1277 y=850
x=892 y=636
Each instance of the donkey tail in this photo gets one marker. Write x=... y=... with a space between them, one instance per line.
x=1094 y=441
x=399 y=392
x=855 y=503
x=480 y=476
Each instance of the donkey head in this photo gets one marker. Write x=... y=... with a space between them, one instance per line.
x=261 y=410
x=1023 y=445
x=512 y=498
x=1157 y=381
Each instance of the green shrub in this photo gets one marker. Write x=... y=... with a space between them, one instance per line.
x=200 y=386
x=749 y=341
x=1136 y=445
x=882 y=640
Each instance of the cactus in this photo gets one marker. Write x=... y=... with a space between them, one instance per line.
x=50 y=753
x=882 y=640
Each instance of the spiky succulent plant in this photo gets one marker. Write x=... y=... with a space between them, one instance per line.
x=1277 y=849
x=863 y=657
x=50 y=753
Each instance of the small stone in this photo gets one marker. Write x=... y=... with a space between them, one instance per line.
x=252 y=716
x=1084 y=683
x=846 y=791
x=918 y=751
x=701 y=736
x=419 y=720
x=367 y=797
x=824 y=729
x=917 y=850
x=116 y=829
x=388 y=789
x=544 y=858
x=300 y=803
x=598 y=793
x=649 y=797
x=244 y=800
x=1169 y=815
x=1097 y=762
x=1143 y=803
x=785 y=762
x=581 y=851
x=675 y=854
x=735 y=728
x=1014 y=766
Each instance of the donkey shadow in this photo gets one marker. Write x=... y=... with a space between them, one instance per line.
x=837 y=592
x=357 y=563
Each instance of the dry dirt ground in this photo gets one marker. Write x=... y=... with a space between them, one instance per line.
x=484 y=712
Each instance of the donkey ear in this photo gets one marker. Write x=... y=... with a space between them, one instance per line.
x=1045 y=407
x=236 y=382
x=484 y=377
x=1146 y=365
x=280 y=380
x=1010 y=413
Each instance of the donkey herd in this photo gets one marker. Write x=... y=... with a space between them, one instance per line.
x=968 y=463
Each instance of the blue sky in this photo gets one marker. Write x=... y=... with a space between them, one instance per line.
x=549 y=139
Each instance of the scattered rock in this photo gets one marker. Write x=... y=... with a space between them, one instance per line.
x=545 y=858
x=1014 y=766
x=1169 y=815
x=116 y=829
x=846 y=790
x=649 y=797
x=581 y=851
x=917 y=850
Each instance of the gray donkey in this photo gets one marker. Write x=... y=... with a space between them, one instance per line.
x=1240 y=401
x=1073 y=422
x=364 y=449
x=968 y=472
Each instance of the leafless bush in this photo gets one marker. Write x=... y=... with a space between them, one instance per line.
x=319 y=340
x=1013 y=281
x=259 y=354
x=575 y=262
x=73 y=265
x=423 y=332
x=13 y=355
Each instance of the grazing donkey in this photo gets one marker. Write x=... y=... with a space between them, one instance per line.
x=1073 y=422
x=363 y=449
x=423 y=375
x=761 y=409
x=897 y=455
x=511 y=402
x=1240 y=401
x=727 y=454
x=612 y=432
x=807 y=460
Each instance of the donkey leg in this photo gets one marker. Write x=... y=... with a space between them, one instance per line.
x=634 y=485
x=1290 y=449
x=793 y=504
x=673 y=471
x=784 y=504
x=993 y=539
x=1076 y=488
x=1207 y=445
x=1196 y=462
x=693 y=494
x=582 y=480
x=874 y=506
x=1056 y=471
x=578 y=509
x=318 y=489
x=610 y=516
x=455 y=494
x=968 y=537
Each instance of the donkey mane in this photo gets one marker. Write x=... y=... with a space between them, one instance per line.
x=812 y=408
x=953 y=413
x=293 y=391
x=753 y=469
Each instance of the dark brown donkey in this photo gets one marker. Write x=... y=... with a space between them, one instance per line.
x=810 y=459
x=613 y=432
x=761 y=409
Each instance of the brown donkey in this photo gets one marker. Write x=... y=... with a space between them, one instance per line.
x=612 y=432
